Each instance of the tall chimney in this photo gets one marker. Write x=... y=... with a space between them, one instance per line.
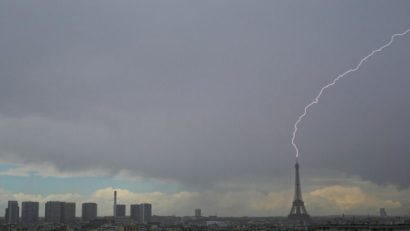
x=115 y=204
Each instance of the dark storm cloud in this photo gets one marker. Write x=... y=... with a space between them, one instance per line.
x=201 y=92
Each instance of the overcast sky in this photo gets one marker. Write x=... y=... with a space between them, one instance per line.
x=189 y=104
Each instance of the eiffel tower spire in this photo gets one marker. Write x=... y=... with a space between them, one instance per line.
x=298 y=211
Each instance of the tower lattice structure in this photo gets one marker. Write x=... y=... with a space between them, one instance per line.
x=298 y=211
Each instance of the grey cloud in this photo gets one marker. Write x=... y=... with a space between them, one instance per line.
x=200 y=92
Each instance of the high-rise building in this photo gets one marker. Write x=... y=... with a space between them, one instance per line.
x=141 y=213
x=135 y=213
x=60 y=212
x=147 y=209
x=29 y=212
x=88 y=211
x=12 y=212
x=120 y=211
x=383 y=212
x=69 y=213
x=198 y=213
x=54 y=212
x=298 y=211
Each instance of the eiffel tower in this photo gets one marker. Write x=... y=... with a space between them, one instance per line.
x=298 y=212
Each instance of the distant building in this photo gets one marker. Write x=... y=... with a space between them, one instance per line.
x=135 y=213
x=29 y=212
x=122 y=220
x=69 y=213
x=383 y=212
x=198 y=213
x=216 y=224
x=147 y=210
x=12 y=212
x=59 y=212
x=141 y=213
x=54 y=212
x=88 y=211
x=166 y=220
x=120 y=211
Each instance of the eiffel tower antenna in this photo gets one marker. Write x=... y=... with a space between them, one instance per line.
x=298 y=211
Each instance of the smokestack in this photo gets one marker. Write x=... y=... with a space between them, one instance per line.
x=115 y=204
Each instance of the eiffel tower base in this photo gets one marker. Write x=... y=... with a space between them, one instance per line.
x=298 y=214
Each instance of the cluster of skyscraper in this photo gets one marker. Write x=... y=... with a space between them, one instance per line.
x=141 y=213
x=65 y=212
x=55 y=212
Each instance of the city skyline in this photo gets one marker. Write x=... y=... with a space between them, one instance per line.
x=63 y=212
x=188 y=105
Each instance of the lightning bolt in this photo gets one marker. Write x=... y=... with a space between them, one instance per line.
x=316 y=100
